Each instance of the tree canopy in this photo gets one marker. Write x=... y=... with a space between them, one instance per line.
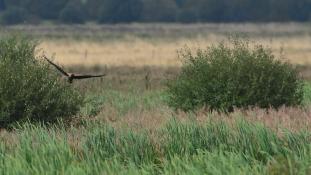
x=127 y=11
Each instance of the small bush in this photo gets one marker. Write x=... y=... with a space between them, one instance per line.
x=223 y=77
x=28 y=90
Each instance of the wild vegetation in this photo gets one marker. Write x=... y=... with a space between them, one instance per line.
x=135 y=133
x=222 y=78
x=139 y=45
x=28 y=90
x=125 y=126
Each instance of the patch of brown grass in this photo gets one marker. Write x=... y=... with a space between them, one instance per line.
x=286 y=118
x=139 y=52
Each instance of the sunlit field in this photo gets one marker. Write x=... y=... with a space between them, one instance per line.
x=134 y=51
x=157 y=44
x=125 y=126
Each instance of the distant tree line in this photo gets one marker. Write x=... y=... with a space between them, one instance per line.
x=127 y=11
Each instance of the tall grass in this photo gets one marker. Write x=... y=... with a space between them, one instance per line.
x=182 y=148
x=186 y=144
x=307 y=94
x=122 y=102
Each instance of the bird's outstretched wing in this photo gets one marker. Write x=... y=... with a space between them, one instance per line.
x=56 y=66
x=87 y=76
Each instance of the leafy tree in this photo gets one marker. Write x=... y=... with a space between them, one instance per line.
x=160 y=11
x=212 y=10
x=188 y=15
x=180 y=3
x=2 y=5
x=300 y=10
x=125 y=11
x=73 y=13
x=238 y=10
x=12 y=3
x=113 y=11
x=92 y=8
x=45 y=9
x=13 y=15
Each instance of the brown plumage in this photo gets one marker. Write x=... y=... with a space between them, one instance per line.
x=72 y=76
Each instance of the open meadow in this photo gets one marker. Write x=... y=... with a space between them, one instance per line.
x=157 y=44
x=124 y=125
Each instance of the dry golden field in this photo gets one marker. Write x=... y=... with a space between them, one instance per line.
x=140 y=52
x=157 y=44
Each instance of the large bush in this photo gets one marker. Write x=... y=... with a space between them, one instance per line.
x=28 y=90
x=223 y=77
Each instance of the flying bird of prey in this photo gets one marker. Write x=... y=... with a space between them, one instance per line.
x=72 y=76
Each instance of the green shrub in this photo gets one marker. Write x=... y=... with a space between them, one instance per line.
x=28 y=90
x=226 y=76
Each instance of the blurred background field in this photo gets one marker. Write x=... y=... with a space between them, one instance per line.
x=140 y=45
x=128 y=52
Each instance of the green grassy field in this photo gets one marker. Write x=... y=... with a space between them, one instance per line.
x=134 y=132
x=126 y=127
